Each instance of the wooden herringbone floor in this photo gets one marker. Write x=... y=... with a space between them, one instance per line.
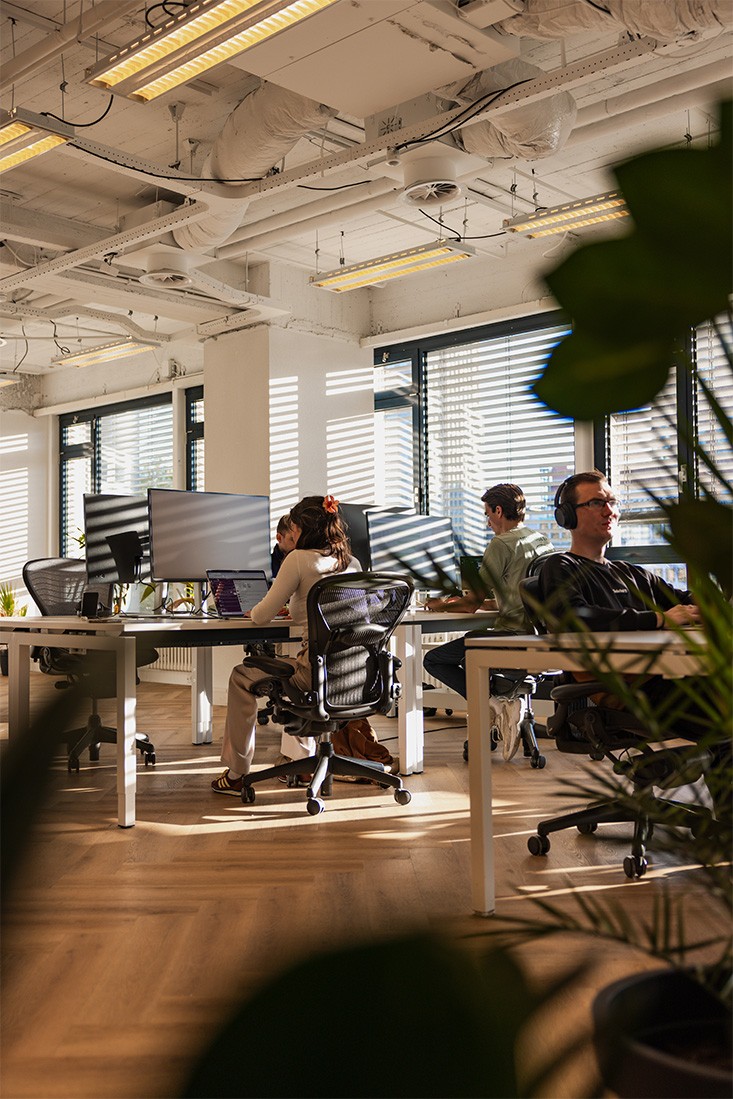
x=123 y=949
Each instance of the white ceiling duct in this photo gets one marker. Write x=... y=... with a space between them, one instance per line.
x=665 y=21
x=256 y=136
x=536 y=130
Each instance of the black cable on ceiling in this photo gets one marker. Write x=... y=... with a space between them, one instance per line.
x=464 y=116
x=81 y=125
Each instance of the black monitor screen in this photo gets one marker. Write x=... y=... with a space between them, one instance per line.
x=354 y=516
x=109 y=514
x=416 y=541
x=191 y=532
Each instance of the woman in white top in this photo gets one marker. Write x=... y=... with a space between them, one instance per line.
x=321 y=547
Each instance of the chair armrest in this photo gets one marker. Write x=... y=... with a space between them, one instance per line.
x=566 y=692
x=278 y=669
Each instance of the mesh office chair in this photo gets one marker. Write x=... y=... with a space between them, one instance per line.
x=56 y=585
x=581 y=727
x=351 y=618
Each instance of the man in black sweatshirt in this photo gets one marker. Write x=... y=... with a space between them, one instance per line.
x=581 y=586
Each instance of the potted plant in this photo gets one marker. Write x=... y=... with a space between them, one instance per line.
x=8 y=608
x=632 y=300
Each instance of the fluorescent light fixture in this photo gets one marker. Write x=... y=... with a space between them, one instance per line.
x=394 y=266
x=24 y=135
x=106 y=352
x=205 y=34
x=9 y=379
x=572 y=215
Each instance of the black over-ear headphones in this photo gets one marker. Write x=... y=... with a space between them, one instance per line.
x=565 y=514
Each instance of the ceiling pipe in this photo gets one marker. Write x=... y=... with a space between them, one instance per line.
x=338 y=201
x=266 y=240
x=90 y=21
x=694 y=81
x=648 y=112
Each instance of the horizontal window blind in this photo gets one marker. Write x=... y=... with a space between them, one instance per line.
x=484 y=426
x=714 y=370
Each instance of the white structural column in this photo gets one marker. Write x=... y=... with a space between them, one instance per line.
x=410 y=731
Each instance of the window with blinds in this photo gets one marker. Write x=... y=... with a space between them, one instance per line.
x=124 y=448
x=195 y=438
x=650 y=453
x=714 y=370
x=474 y=422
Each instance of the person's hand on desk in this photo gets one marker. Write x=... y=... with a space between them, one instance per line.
x=681 y=616
x=460 y=604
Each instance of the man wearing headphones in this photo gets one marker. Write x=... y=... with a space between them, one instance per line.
x=604 y=595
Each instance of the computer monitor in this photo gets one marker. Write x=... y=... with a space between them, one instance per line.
x=107 y=515
x=469 y=571
x=354 y=516
x=192 y=532
x=412 y=544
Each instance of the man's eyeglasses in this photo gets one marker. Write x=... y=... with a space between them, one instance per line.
x=598 y=502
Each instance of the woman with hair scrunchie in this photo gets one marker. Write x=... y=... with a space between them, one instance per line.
x=321 y=547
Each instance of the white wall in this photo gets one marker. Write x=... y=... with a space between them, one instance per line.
x=25 y=483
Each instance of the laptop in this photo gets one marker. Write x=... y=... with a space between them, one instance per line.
x=236 y=591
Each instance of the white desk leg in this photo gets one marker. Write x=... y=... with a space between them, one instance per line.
x=202 y=693
x=479 y=785
x=125 y=649
x=19 y=662
x=410 y=724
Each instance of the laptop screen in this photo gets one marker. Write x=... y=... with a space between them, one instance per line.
x=236 y=591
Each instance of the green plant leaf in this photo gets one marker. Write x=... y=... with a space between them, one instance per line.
x=701 y=531
x=630 y=286
x=682 y=203
x=587 y=377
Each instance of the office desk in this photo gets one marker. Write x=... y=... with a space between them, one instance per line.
x=119 y=636
x=408 y=642
x=657 y=653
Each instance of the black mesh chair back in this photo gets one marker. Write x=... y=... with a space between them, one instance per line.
x=351 y=619
x=56 y=585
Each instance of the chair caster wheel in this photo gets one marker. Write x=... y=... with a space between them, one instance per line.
x=73 y=764
x=248 y=795
x=429 y=711
x=315 y=806
x=494 y=739
x=538 y=845
x=449 y=713
x=635 y=866
x=588 y=828
x=149 y=758
x=402 y=797
x=262 y=718
x=465 y=750
x=538 y=762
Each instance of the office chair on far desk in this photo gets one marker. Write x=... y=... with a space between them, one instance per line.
x=580 y=727
x=351 y=618
x=56 y=585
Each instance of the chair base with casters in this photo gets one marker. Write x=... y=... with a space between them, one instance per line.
x=507 y=685
x=601 y=733
x=323 y=766
x=94 y=734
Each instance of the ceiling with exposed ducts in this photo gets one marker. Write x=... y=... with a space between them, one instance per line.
x=370 y=127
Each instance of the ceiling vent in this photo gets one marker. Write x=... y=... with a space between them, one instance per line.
x=167 y=270
x=430 y=181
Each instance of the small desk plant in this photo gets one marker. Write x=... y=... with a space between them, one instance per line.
x=8 y=608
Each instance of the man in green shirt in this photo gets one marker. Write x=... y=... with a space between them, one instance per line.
x=505 y=562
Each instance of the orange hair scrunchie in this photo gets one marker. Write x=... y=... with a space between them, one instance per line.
x=330 y=504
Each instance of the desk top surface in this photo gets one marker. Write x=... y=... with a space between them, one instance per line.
x=632 y=641
x=133 y=625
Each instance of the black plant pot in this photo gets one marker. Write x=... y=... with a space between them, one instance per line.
x=661 y=1035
